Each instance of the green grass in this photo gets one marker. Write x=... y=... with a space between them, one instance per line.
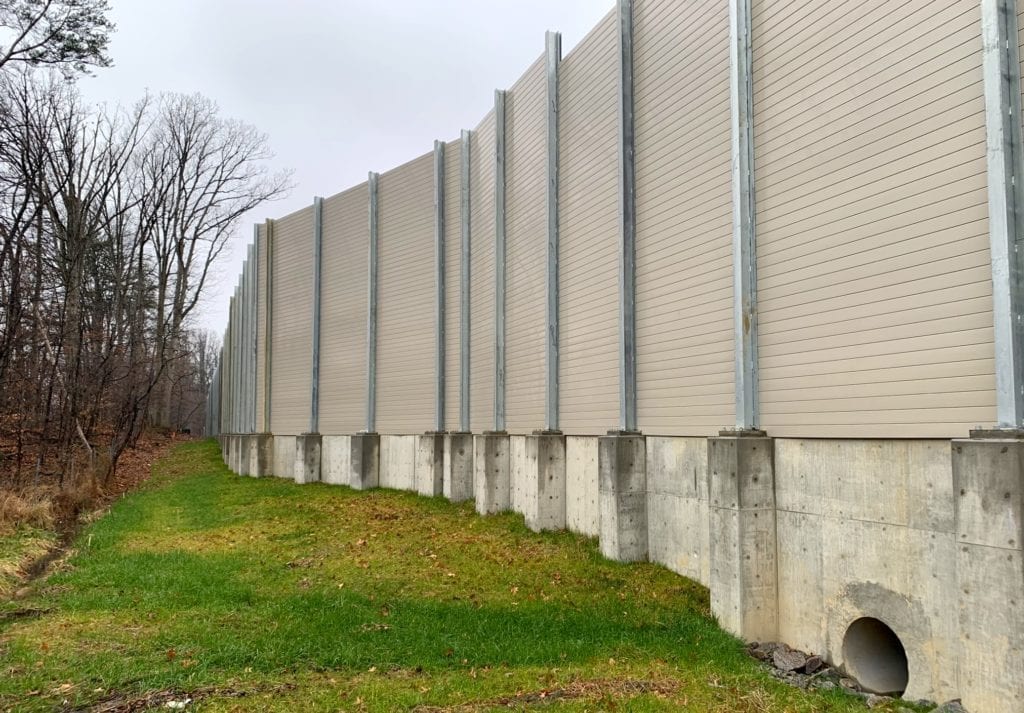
x=266 y=595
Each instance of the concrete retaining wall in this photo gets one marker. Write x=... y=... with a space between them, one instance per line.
x=517 y=473
x=795 y=538
x=581 y=489
x=284 y=457
x=336 y=458
x=398 y=462
x=677 y=505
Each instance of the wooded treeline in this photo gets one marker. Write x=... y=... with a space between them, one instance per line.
x=112 y=220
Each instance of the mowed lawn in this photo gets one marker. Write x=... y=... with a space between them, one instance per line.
x=259 y=594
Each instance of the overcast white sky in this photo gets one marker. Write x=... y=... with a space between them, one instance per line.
x=340 y=87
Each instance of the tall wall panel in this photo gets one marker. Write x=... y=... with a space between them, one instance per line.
x=588 y=225
x=684 y=217
x=292 y=333
x=481 y=329
x=453 y=269
x=345 y=255
x=526 y=243
x=225 y=384
x=405 y=298
x=873 y=261
x=261 y=332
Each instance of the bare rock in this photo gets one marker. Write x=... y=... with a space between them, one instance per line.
x=813 y=664
x=786 y=659
x=763 y=650
x=953 y=706
x=874 y=701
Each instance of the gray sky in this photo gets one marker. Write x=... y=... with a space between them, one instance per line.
x=341 y=87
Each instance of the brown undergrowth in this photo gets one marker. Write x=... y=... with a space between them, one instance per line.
x=37 y=521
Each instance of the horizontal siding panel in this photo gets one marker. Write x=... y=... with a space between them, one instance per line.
x=481 y=330
x=684 y=218
x=406 y=311
x=526 y=249
x=875 y=294
x=588 y=233
x=261 y=331
x=343 y=327
x=292 y=330
x=863 y=51
x=453 y=277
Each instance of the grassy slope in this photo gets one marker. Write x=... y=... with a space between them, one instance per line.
x=318 y=597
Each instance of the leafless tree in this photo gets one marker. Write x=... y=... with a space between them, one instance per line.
x=111 y=220
x=201 y=174
x=72 y=35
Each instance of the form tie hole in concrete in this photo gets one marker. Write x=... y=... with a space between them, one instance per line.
x=875 y=656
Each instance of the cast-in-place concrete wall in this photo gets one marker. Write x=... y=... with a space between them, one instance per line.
x=398 y=462
x=677 y=505
x=581 y=485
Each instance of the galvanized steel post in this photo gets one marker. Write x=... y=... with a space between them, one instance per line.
x=439 y=281
x=553 y=51
x=464 y=276
x=268 y=347
x=1001 y=74
x=318 y=239
x=371 y=313
x=627 y=224
x=499 y=260
x=743 y=228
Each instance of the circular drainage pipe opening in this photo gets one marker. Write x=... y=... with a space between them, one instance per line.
x=874 y=655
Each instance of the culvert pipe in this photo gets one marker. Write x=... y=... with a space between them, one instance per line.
x=874 y=655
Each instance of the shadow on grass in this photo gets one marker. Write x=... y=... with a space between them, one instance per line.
x=243 y=627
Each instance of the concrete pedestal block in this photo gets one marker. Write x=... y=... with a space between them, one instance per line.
x=261 y=455
x=622 y=496
x=743 y=544
x=988 y=490
x=430 y=464
x=457 y=478
x=491 y=483
x=364 y=460
x=307 y=458
x=545 y=482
